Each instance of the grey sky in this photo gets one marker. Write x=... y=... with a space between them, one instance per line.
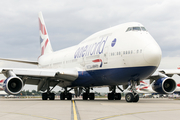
x=68 y=22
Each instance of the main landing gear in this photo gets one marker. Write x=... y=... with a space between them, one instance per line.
x=87 y=94
x=48 y=94
x=66 y=94
x=113 y=95
x=132 y=96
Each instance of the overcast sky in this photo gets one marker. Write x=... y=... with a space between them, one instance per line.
x=68 y=22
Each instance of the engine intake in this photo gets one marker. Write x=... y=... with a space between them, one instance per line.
x=164 y=85
x=13 y=85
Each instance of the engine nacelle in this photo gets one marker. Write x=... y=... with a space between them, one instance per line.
x=13 y=85
x=164 y=85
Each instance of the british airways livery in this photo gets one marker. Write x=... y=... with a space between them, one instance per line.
x=121 y=55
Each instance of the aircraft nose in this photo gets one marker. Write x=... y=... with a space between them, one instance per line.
x=152 y=54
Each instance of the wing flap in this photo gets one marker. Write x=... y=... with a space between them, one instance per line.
x=170 y=72
x=62 y=74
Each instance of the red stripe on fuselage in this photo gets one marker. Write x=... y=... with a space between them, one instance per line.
x=97 y=60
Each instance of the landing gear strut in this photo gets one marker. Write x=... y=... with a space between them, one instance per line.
x=48 y=94
x=133 y=96
x=87 y=94
x=113 y=95
x=66 y=94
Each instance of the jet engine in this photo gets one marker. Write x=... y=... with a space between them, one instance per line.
x=13 y=85
x=164 y=85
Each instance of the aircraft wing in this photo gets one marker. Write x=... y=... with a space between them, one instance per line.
x=163 y=73
x=40 y=76
x=20 y=61
x=170 y=72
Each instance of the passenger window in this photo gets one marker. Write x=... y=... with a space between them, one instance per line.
x=141 y=51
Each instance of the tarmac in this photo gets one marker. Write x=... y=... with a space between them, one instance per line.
x=98 y=109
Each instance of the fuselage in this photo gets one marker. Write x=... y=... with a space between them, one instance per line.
x=112 y=56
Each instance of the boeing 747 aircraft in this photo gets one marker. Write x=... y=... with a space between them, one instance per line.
x=121 y=55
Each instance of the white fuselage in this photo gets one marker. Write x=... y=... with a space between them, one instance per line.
x=112 y=48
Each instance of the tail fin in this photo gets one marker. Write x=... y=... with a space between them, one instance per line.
x=44 y=38
x=144 y=83
x=178 y=67
x=1 y=84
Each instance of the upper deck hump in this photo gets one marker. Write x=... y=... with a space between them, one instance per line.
x=121 y=28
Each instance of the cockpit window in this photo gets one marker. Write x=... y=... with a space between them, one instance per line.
x=143 y=28
x=129 y=29
x=136 y=29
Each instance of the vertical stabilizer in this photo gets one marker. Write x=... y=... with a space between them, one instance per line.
x=44 y=38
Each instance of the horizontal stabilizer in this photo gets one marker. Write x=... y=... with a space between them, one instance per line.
x=20 y=61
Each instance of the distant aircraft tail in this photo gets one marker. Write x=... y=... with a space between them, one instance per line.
x=1 y=84
x=44 y=38
x=144 y=83
x=178 y=67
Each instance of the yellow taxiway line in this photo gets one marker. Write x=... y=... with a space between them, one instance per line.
x=74 y=111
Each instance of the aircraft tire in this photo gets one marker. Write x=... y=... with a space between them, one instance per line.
x=110 y=96
x=85 y=96
x=69 y=96
x=91 y=96
x=52 y=96
x=44 y=96
x=136 y=98
x=117 y=96
x=62 y=96
x=129 y=97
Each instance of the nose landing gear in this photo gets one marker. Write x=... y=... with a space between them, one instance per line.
x=132 y=96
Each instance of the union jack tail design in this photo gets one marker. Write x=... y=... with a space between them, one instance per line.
x=1 y=84
x=44 y=38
